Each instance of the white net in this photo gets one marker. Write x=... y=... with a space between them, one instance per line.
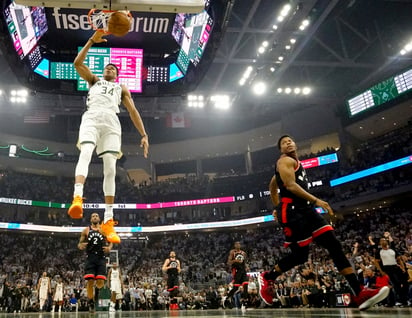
x=99 y=19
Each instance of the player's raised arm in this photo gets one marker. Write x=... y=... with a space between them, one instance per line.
x=81 y=68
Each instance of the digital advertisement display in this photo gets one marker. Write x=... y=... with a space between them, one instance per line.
x=175 y=73
x=191 y=32
x=43 y=68
x=319 y=161
x=26 y=25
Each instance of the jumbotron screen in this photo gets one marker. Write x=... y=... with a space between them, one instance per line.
x=154 y=58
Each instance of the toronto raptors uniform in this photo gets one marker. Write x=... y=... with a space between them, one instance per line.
x=96 y=262
x=173 y=275
x=298 y=217
x=100 y=124
x=239 y=269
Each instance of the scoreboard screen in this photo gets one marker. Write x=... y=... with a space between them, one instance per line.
x=381 y=93
x=128 y=61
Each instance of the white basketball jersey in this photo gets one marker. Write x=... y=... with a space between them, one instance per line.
x=59 y=288
x=115 y=274
x=44 y=282
x=104 y=95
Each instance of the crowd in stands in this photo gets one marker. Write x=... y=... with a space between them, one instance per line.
x=205 y=277
x=394 y=145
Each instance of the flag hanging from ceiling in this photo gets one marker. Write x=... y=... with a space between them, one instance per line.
x=177 y=120
x=38 y=117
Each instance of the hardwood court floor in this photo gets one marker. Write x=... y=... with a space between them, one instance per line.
x=253 y=313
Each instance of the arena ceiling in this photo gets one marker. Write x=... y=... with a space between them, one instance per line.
x=348 y=46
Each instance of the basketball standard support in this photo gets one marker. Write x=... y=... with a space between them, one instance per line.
x=169 y=6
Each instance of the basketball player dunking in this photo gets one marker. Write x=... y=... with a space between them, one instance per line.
x=94 y=242
x=100 y=128
x=44 y=289
x=296 y=213
x=172 y=268
x=237 y=263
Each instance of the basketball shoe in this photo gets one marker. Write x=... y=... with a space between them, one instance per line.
x=108 y=229
x=265 y=289
x=369 y=297
x=76 y=209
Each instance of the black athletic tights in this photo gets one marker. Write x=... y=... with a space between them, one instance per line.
x=300 y=254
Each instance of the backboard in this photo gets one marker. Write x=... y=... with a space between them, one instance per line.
x=169 y=6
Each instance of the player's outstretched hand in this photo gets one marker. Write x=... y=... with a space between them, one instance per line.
x=97 y=37
x=144 y=143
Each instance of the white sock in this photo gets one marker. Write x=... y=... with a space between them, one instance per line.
x=78 y=189
x=108 y=213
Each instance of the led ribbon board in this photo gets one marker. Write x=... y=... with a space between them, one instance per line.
x=374 y=170
x=140 y=229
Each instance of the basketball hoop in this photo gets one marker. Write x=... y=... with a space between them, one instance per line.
x=98 y=19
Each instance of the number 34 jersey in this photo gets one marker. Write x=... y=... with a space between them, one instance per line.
x=104 y=95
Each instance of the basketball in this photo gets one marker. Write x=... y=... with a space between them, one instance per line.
x=119 y=23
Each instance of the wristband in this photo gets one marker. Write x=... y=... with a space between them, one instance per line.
x=91 y=40
x=145 y=135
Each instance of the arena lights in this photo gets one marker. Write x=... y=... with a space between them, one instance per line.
x=195 y=101
x=221 y=101
x=274 y=27
x=292 y=40
x=297 y=90
x=18 y=96
x=304 y=24
x=306 y=90
x=284 y=12
x=259 y=88
x=246 y=75
x=406 y=49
